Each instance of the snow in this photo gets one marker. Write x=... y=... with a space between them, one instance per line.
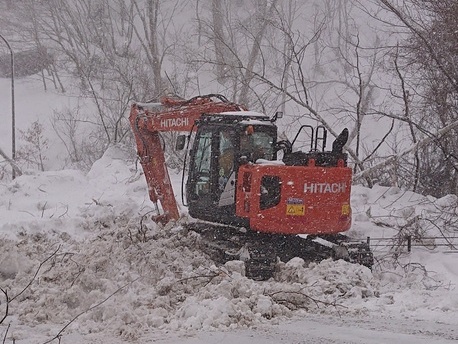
x=99 y=269
x=245 y=113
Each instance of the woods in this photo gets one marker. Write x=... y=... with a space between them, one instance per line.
x=384 y=69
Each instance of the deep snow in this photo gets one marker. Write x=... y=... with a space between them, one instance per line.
x=102 y=272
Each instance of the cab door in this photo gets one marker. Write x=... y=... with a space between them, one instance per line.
x=210 y=189
x=200 y=185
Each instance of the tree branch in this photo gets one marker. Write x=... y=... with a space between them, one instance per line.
x=59 y=334
x=10 y=161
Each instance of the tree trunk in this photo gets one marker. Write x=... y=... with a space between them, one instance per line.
x=255 y=50
x=153 y=9
x=218 y=31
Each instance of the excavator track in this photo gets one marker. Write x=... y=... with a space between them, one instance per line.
x=261 y=251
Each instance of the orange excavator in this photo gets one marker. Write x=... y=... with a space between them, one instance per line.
x=251 y=204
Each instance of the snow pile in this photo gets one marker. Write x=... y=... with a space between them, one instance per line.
x=394 y=210
x=80 y=253
x=421 y=283
x=161 y=281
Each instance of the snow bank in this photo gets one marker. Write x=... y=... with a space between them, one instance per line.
x=162 y=281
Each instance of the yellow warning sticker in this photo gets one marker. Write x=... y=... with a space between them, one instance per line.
x=295 y=209
x=346 y=209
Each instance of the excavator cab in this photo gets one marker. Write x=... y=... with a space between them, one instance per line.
x=234 y=177
x=222 y=144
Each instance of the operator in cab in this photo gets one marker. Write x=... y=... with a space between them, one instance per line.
x=256 y=145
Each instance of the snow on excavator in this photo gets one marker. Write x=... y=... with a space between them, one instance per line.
x=298 y=206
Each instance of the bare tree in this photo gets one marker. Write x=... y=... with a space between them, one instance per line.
x=263 y=14
x=429 y=60
x=33 y=152
x=221 y=49
x=313 y=60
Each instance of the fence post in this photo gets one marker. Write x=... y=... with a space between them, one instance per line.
x=368 y=241
x=409 y=243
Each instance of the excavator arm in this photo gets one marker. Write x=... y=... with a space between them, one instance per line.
x=147 y=120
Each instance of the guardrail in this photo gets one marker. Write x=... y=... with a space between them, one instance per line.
x=409 y=241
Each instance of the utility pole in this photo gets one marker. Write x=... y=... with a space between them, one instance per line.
x=13 y=115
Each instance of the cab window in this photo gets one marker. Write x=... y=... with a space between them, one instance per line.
x=257 y=145
x=202 y=163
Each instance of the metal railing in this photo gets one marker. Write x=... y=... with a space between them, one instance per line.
x=408 y=241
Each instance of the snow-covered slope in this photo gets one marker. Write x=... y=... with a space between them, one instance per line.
x=80 y=255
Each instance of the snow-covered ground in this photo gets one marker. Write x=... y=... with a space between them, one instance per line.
x=81 y=261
